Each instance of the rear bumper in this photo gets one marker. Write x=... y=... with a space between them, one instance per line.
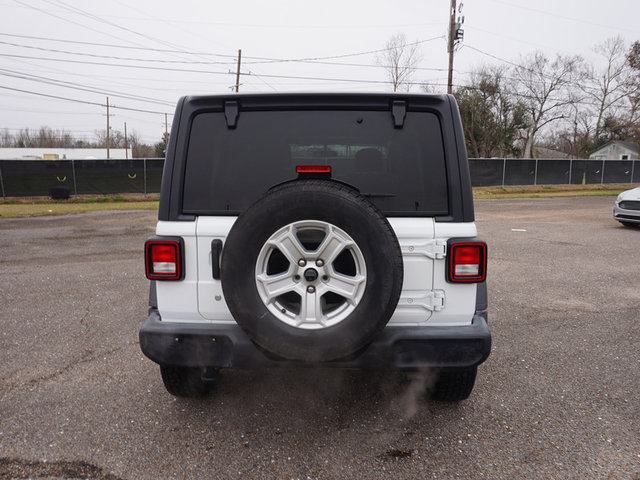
x=402 y=348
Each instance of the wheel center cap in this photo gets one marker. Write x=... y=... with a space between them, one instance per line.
x=310 y=275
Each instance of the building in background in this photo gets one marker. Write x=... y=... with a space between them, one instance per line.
x=64 y=153
x=616 y=150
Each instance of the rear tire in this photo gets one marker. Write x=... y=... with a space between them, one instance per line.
x=453 y=385
x=185 y=381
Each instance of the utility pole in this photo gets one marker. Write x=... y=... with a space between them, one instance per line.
x=107 y=128
x=238 y=71
x=126 y=144
x=456 y=34
x=452 y=23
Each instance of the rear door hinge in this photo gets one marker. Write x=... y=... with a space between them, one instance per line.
x=435 y=249
x=432 y=300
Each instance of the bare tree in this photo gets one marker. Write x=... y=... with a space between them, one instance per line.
x=116 y=138
x=138 y=148
x=574 y=139
x=610 y=106
x=6 y=138
x=611 y=86
x=546 y=88
x=633 y=60
x=49 y=138
x=400 y=60
x=43 y=137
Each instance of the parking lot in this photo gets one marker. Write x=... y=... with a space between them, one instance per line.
x=558 y=397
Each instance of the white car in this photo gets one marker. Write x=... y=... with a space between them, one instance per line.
x=626 y=210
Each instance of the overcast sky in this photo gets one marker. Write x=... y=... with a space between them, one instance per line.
x=145 y=54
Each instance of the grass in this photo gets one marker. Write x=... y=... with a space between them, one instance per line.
x=30 y=206
x=551 y=191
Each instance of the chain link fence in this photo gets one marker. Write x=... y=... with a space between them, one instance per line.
x=65 y=178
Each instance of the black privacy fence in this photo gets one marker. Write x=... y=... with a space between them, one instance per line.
x=491 y=172
x=65 y=178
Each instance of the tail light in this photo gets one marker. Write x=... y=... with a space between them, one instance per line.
x=466 y=261
x=164 y=258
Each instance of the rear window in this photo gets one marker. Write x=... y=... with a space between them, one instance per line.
x=402 y=171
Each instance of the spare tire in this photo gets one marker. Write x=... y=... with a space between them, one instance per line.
x=312 y=271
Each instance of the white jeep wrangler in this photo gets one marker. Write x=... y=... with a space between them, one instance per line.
x=316 y=229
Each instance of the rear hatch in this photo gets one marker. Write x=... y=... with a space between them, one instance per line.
x=398 y=166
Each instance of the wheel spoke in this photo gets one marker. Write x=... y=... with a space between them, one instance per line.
x=289 y=245
x=311 y=309
x=345 y=286
x=276 y=285
x=332 y=245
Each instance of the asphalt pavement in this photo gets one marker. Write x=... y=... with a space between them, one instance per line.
x=557 y=398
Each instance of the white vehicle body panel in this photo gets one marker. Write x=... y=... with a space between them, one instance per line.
x=211 y=304
x=176 y=300
x=426 y=298
x=627 y=215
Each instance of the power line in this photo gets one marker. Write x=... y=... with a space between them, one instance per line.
x=346 y=55
x=96 y=18
x=110 y=45
x=565 y=17
x=182 y=70
x=139 y=67
x=113 y=79
x=113 y=57
x=86 y=102
x=492 y=56
x=254 y=60
x=41 y=10
x=325 y=79
x=76 y=86
x=257 y=60
x=277 y=26
x=129 y=30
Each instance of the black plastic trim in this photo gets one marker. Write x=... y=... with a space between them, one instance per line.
x=166 y=208
x=627 y=217
x=399 y=112
x=482 y=300
x=231 y=114
x=216 y=251
x=463 y=194
x=228 y=346
x=153 y=295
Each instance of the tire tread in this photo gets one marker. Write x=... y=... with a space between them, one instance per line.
x=454 y=385
x=184 y=381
